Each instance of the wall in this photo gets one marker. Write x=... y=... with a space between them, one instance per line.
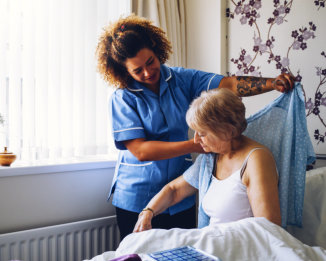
x=206 y=35
x=55 y=195
x=270 y=37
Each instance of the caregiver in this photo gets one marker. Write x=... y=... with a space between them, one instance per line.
x=148 y=112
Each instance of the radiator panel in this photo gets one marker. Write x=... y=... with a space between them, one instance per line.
x=68 y=242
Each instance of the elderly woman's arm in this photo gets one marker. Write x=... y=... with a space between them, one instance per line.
x=172 y=193
x=261 y=180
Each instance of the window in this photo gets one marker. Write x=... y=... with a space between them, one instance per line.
x=54 y=103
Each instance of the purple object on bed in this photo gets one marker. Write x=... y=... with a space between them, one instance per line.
x=130 y=257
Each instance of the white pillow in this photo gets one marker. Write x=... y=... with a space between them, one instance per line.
x=313 y=231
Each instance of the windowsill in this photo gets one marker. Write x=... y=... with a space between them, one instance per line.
x=20 y=168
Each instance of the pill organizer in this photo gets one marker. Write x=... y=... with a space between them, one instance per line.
x=188 y=253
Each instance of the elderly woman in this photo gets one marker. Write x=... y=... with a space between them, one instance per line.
x=236 y=178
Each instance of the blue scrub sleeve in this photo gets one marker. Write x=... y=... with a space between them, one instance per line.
x=197 y=81
x=207 y=81
x=203 y=81
x=191 y=175
x=126 y=123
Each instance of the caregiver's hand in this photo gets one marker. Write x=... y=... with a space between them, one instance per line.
x=144 y=221
x=197 y=148
x=284 y=82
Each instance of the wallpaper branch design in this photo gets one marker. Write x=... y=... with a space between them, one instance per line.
x=248 y=13
x=319 y=100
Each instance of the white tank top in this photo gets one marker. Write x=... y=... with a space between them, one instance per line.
x=227 y=200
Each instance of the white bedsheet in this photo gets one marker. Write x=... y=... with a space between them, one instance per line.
x=248 y=239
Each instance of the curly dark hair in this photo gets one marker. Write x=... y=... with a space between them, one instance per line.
x=123 y=39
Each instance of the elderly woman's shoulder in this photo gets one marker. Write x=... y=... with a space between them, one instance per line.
x=261 y=154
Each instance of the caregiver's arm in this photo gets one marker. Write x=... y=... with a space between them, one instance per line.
x=250 y=85
x=261 y=180
x=170 y=194
x=145 y=150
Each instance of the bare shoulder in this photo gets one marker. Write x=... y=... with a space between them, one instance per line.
x=260 y=165
x=261 y=154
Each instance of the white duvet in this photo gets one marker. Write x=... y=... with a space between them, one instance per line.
x=248 y=239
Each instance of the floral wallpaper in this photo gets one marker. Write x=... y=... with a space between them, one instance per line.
x=266 y=38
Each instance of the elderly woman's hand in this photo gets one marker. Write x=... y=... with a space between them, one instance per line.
x=284 y=82
x=144 y=221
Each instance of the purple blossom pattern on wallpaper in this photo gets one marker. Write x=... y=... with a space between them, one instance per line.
x=320 y=3
x=248 y=13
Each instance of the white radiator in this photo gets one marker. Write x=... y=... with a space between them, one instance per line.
x=67 y=242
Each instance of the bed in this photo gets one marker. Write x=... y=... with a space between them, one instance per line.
x=247 y=239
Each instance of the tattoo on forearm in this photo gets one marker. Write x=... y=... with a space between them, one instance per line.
x=248 y=85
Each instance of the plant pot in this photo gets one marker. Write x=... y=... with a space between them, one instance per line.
x=6 y=158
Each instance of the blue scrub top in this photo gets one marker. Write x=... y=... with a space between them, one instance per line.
x=137 y=112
